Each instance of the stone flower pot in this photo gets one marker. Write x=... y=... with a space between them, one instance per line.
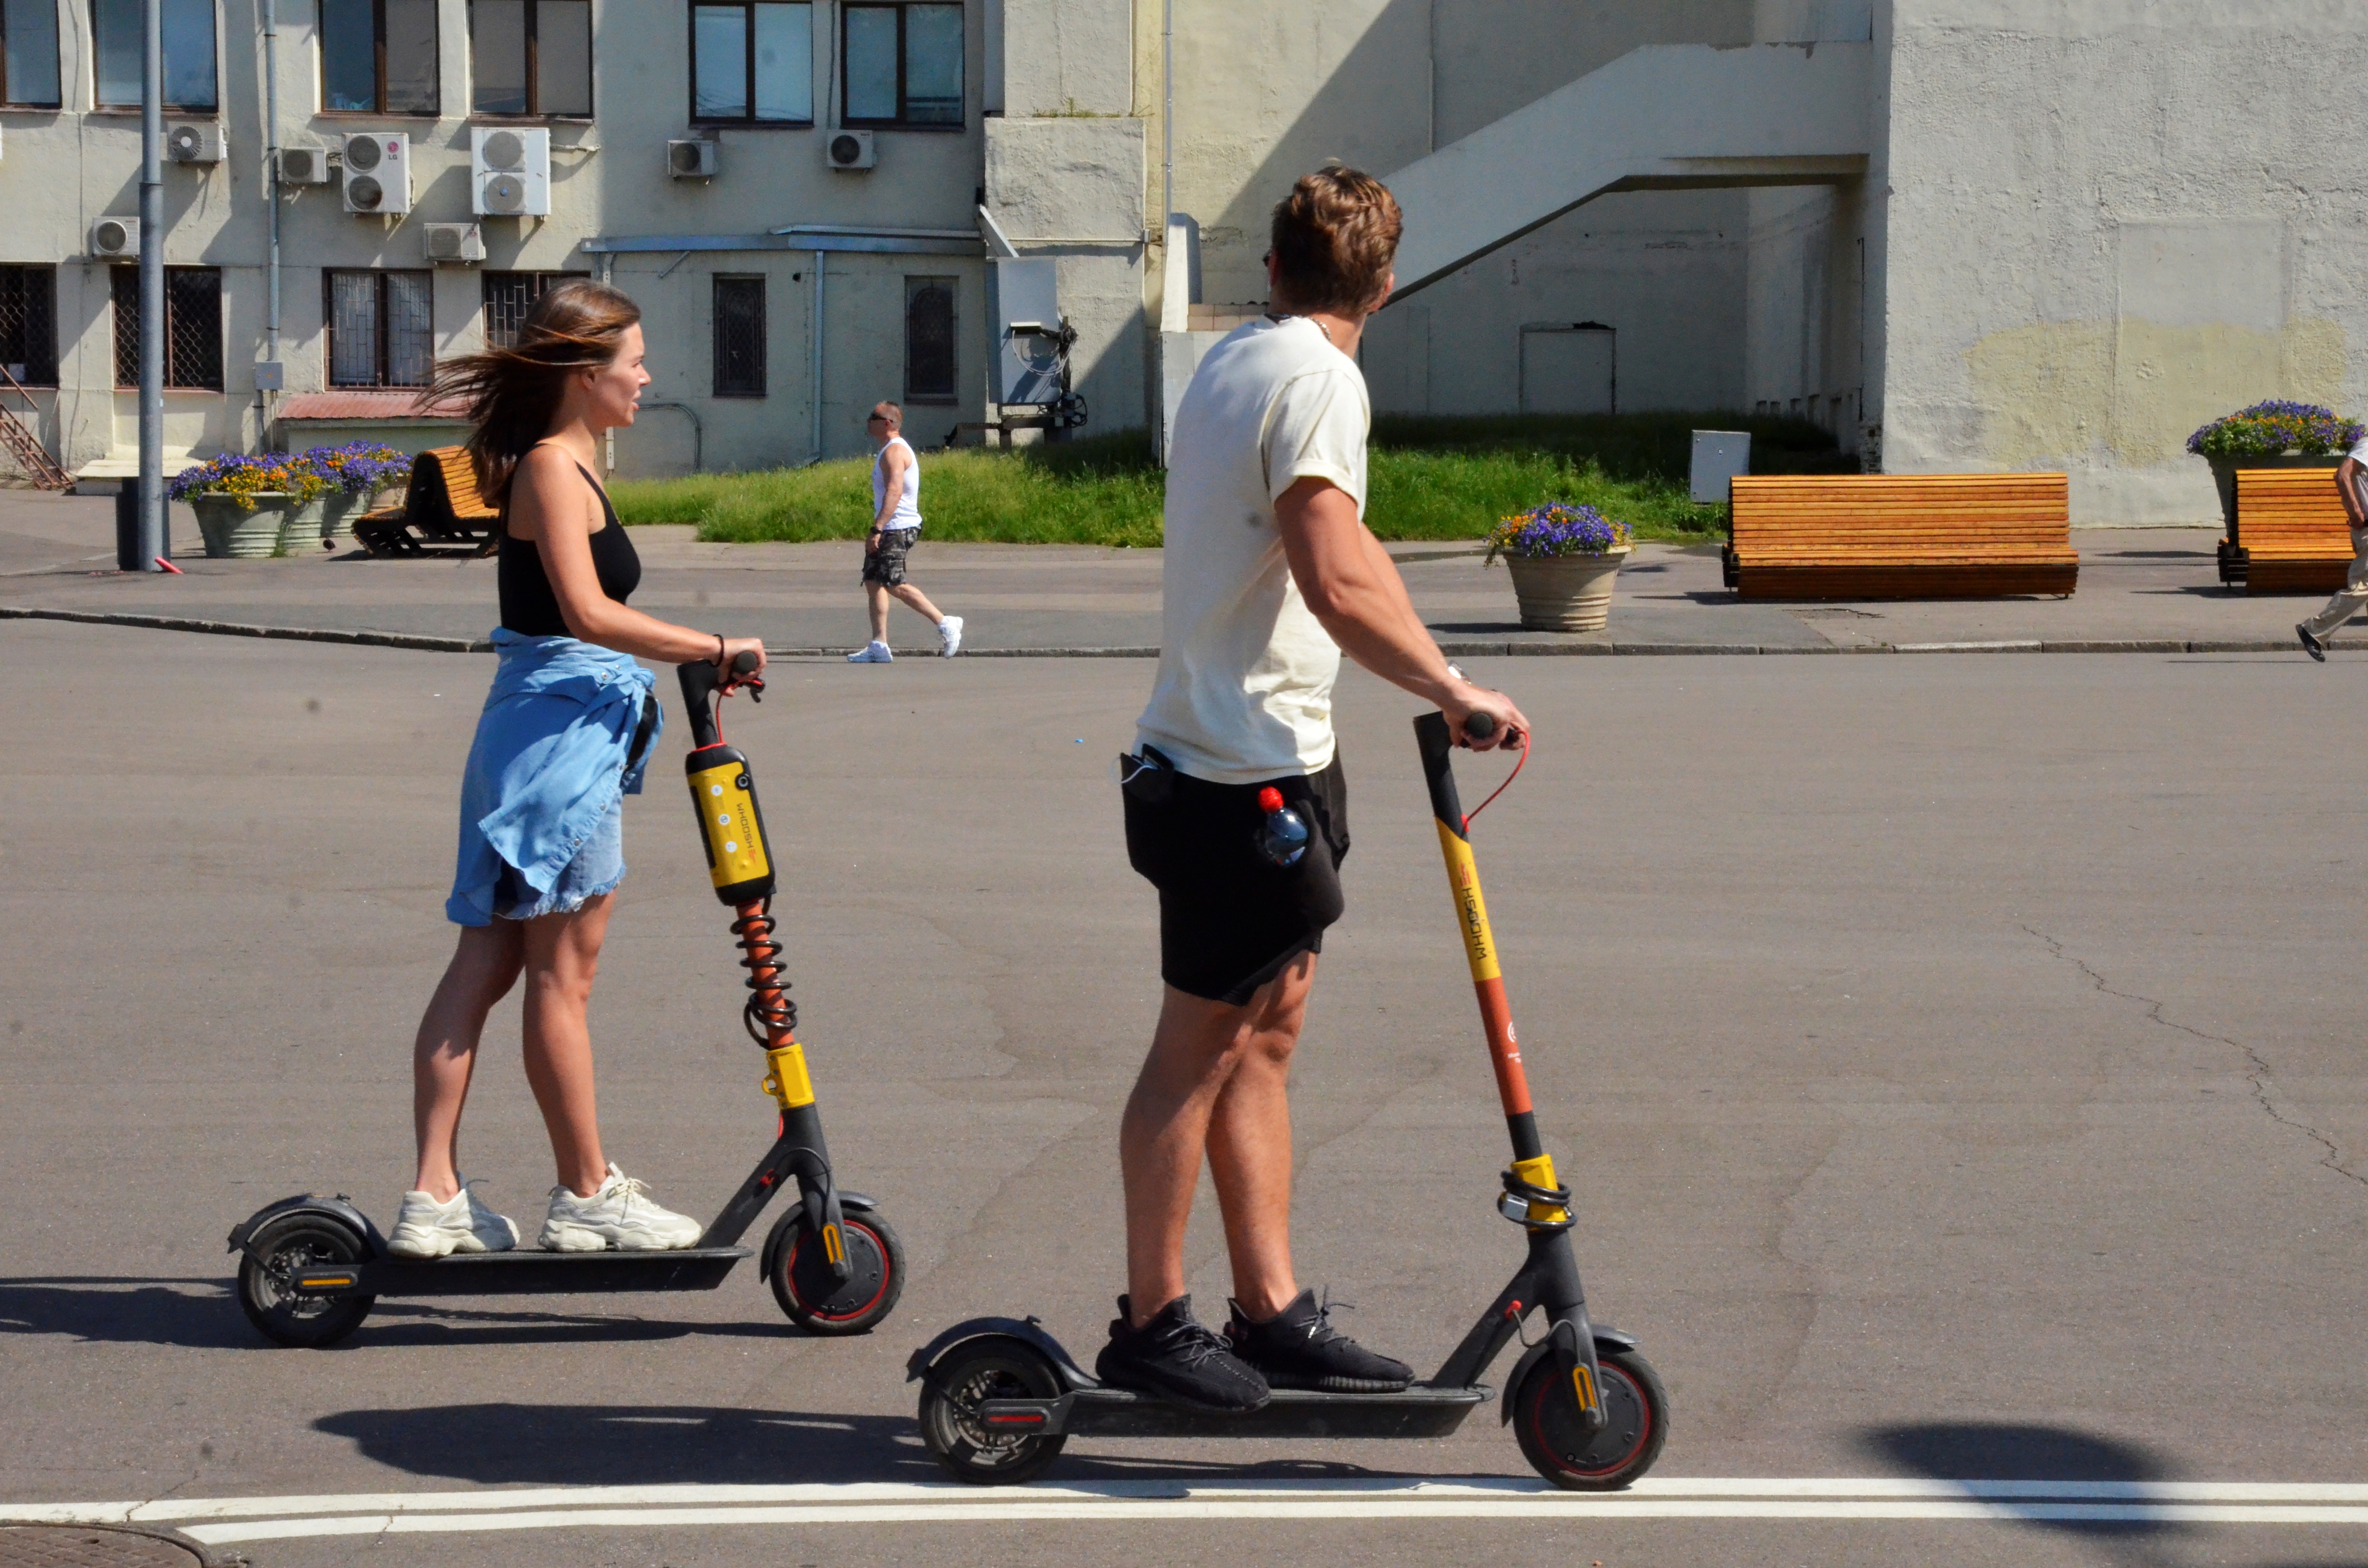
x=1565 y=593
x=338 y=510
x=2224 y=476
x=304 y=526
x=241 y=533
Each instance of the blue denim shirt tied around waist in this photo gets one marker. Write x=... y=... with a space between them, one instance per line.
x=551 y=758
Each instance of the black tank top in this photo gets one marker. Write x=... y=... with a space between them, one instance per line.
x=529 y=607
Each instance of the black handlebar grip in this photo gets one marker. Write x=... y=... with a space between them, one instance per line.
x=1480 y=726
x=745 y=662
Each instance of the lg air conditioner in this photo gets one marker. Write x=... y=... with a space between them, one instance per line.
x=509 y=171
x=112 y=239
x=850 y=149
x=197 y=143
x=449 y=243
x=693 y=160
x=378 y=172
x=304 y=165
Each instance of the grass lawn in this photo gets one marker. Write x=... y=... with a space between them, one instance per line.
x=1432 y=478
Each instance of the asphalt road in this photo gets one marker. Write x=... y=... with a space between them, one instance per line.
x=1957 y=1058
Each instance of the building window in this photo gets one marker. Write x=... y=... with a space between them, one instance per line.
x=752 y=62
x=508 y=297
x=929 y=340
x=380 y=331
x=28 y=53
x=29 y=324
x=188 y=53
x=193 y=327
x=532 y=57
x=378 y=57
x=739 y=336
x=903 y=64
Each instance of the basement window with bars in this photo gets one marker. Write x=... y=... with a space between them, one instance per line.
x=901 y=65
x=739 y=336
x=28 y=53
x=382 y=333
x=189 y=84
x=508 y=295
x=378 y=57
x=193 y=327
x=532 y=58
x=929 y=357
x=29 y=324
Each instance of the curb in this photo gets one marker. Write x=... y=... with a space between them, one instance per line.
x=1456 y=649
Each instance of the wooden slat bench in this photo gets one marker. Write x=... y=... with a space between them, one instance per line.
x=2291 y=534
x=1949 y=536
x=441 y=510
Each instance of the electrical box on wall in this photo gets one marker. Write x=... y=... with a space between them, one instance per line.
x=509 y=171
x=1023 y=300
x=378 y=172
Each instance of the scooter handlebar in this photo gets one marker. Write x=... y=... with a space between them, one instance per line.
x=1436 y=741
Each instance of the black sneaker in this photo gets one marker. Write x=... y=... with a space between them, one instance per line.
x=1298 y=1348
x=2310 y=641
x=1176 y=1358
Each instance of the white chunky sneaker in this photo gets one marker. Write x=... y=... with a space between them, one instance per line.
x=950 y=635
x=620 y=1216
x=871 y=654
x=425 y=1228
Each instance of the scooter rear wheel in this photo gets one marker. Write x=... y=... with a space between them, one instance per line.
x=266 y=1291
x=951 y=1394
x=1560 y=1448
x=811 y=1293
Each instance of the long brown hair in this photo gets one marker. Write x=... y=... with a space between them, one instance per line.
x=512 y=394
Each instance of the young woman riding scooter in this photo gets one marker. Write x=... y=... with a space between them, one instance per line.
x=565 y=736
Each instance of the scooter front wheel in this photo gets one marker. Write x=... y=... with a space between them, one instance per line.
x=811 y=1291
x=267 y=1283
x=957 y=1434
x=1557 y=1443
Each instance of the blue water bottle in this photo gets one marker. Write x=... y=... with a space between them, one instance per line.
x=1282 y=838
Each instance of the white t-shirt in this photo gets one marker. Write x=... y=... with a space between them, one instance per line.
x=908 y=495
x=1245 y=670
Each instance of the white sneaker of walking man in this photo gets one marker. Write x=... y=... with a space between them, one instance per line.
x=896 y=529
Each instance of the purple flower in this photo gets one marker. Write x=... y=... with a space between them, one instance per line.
x=1558 y=528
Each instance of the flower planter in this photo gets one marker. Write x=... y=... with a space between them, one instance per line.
x=300 y=531
x=1565 y=593
x=2224 y=476
x=241 y=533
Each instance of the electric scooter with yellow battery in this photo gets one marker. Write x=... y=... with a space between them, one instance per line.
x=999 y=1396
x=311 y=1267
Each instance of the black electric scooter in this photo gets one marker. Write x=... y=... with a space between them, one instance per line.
x=311 y=1267
x=999 y=1396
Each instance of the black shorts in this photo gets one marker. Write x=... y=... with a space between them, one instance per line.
x=884 y=567
x=1230 y=919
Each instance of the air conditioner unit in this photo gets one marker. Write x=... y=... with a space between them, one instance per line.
x=455 y=243
x=509 y=170
x=304 y=165
x=378 y=172
x=693 y=160
x=850 y=149
x=199 y=142
x=113 y=238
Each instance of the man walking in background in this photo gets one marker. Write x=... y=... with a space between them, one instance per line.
x=2352 y=483
x=896 y=525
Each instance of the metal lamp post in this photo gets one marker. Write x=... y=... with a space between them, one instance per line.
x=156 y=535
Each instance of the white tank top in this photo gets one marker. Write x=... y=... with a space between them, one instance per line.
x=908 y=500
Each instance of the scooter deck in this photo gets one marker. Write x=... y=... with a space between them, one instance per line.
x=531 y=1270
x=1418 y=1412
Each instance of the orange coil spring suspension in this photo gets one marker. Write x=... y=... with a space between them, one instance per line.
x=770 y=1015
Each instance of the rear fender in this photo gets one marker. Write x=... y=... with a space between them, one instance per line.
x=339 y=1209
x=1028 y=1330
x=1607 y=1342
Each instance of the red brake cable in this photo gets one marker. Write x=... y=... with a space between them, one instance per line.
x=1500 y=789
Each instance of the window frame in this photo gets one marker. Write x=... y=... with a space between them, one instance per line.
x=542 y=281
x=534 y=111
x=715 y=328
x=914 y=285
x=31 y=380
x=904 y=68
x=57 y=100
x=98 y=71
x=379 y=275
x=115 y=305
x=747 y=121
x=378 y=67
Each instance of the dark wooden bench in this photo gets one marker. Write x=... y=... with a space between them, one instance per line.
x=440 y=511
x=2291 y=534
x=1947 y=536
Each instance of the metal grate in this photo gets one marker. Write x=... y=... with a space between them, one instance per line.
x=29 y=324
x=193 y=327
x=90 y=1546
x=509 y=296
x=381 y=332
x=929 y=349
x=739 y=338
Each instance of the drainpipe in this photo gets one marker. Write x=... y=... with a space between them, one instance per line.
x=155 y=538
x=818 y=257
x=1166 y=116
x=271 y=173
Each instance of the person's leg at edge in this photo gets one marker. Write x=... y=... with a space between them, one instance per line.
x=2349 y=599
x=1213 y=1083
x=878 y=597
x=562 y=956
x=910 y=596
x=485 y=964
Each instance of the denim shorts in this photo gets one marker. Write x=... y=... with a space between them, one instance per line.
x=599 y=866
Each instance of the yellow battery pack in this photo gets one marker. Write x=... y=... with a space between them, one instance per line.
x=730 y=825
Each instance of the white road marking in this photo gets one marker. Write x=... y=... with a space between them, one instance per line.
x=225 y=1520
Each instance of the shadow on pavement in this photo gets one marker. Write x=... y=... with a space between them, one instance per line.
x=1992 y=1450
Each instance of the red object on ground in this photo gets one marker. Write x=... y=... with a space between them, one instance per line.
x=170 y=567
